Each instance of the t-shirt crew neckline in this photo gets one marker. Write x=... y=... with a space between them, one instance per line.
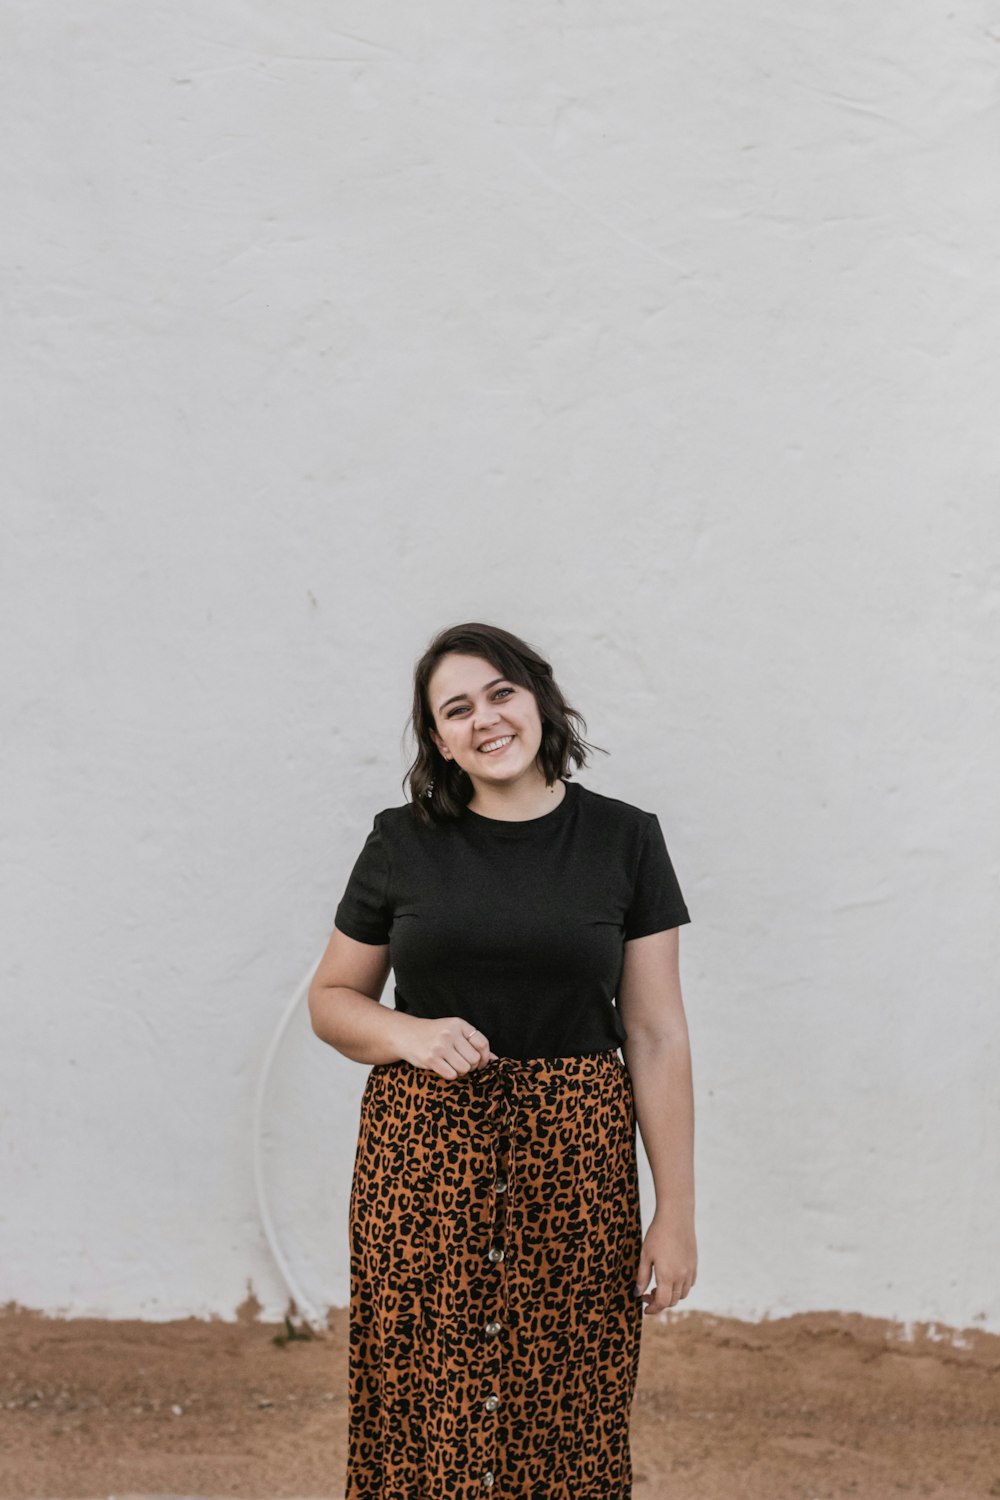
x=523 y=827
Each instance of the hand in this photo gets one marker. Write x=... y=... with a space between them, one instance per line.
x=669 y=1248
x=445 y=1046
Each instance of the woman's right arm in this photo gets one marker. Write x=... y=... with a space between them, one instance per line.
x=346 y=1011
x=344 y=1001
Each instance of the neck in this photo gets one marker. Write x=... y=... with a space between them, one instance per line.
x=518 y=801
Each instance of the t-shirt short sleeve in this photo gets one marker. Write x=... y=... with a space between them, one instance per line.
x=363 y=912
x=657 y=902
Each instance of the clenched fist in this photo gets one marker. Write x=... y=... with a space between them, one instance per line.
x=450 y=1046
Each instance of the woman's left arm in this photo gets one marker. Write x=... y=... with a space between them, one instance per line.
x=658 y=1057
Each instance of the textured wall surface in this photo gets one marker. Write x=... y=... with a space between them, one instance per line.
x=665 y=336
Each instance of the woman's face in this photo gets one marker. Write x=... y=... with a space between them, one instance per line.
x=473 y=706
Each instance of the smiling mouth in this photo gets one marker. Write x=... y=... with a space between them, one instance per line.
x=494 y=747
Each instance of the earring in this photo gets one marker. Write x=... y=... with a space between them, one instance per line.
x=430 y=789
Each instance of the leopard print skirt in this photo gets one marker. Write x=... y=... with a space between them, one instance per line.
x=495 y=1235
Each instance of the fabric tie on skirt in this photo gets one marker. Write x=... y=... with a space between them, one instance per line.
x=495 y=1235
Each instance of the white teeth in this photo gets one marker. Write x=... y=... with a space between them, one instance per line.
x=495 y=744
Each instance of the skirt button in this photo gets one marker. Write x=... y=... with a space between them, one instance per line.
x=496 y=1253
x=491 y=1403
x=492 y=1329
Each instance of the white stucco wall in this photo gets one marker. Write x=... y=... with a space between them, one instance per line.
x=664 y=337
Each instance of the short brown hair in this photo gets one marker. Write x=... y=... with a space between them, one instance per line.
x=439 y=788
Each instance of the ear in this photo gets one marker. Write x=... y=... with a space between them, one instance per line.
x=437 y=740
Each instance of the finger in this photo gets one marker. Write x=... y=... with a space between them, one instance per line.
x=474 y=1052
x=470 y=1052
x=468 y=1044
x=485 y=1055
x=480 y=1046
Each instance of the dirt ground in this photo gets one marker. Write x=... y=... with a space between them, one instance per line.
x=803 y=1408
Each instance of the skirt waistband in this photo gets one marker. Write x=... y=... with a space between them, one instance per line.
x=531 y=1069
x=569 y=1062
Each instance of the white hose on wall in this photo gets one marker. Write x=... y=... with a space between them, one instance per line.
x=303 y=1305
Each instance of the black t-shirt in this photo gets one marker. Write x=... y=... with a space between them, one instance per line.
x=519 y=927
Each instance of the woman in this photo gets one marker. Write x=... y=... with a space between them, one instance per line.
x=498 y=1270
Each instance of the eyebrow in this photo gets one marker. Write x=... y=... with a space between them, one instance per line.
x=466 y=695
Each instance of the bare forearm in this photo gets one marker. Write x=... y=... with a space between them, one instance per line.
x=660 y=1065
x=356 y=1025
